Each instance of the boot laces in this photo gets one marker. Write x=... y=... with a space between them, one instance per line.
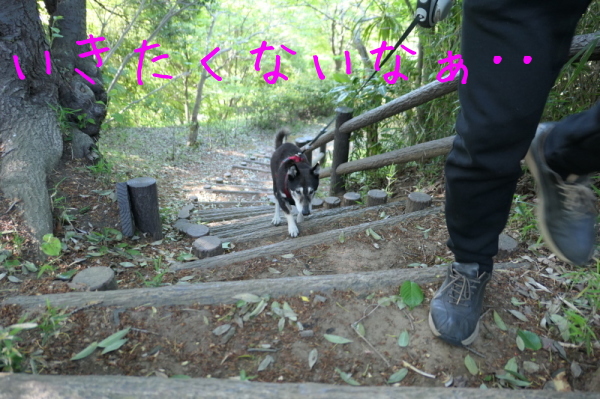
x=578 y=197
x=460 y=287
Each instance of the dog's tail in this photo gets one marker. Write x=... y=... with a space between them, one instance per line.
x=280 y=136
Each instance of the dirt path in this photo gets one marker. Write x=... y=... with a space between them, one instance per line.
x=190 y=339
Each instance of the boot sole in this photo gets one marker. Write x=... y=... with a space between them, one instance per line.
x=539 y=209
x=465 y=342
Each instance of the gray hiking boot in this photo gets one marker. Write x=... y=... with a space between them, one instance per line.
x=455 y=309
x=566 y=210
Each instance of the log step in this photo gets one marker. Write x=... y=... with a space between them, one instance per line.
x=251 y=168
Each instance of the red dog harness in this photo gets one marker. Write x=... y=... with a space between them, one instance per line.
x=298 y=158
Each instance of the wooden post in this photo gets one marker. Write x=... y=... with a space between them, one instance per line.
x=144 y=203
x=417 y=201
x=376 y=197
x=341 y=150
x=301 y=142
x=332 y=202
x=351 y=198
x=323 y=150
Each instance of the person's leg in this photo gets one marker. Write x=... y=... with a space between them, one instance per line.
x=573 y=147
x=501 y=105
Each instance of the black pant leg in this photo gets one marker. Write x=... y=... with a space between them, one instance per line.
x=501 y=106
x=573 y=146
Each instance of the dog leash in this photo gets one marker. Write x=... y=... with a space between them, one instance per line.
x=428 y=13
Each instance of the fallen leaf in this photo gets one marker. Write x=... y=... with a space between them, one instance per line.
x=398 y=376
x=250 y=298
x=471 y=365
x=265 y=363
x=336 y=339
x=404 y=339
x=347 y=377
x=114 y=338
x=86 y=352
x=312 y=358
x=499 y=322
x=518 y=315
x=221 y=329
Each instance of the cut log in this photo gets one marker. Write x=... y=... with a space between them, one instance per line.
x=125 y=214
x=21 y=386
x=419 y=152
x=220 y=292
x=267 y=186
x=317 y=203
x=260 y=227
x=208 y=246
x=297 y=243
x=196 y=230
x=217 y=215
x=376 y=197
x=332 y=202
x=144 y=202
x=251 y=168
x=241 y=192
x=243 y=163
x=350 y=198
x=417 y=201
x=99 y=278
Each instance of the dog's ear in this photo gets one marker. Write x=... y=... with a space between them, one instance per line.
x=292 y=171
x=316 y=170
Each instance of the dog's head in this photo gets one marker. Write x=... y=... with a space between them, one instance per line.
x=303 y=182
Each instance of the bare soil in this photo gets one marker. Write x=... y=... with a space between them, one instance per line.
x=179 y=341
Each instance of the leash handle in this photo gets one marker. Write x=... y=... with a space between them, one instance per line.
x=430 y=12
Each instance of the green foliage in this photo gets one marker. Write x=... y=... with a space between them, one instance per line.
x=11 y=357
x=51 y=321
x=51 y=245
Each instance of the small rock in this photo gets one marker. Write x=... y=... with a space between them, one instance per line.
x=100 y=278
x=319 y=298
x=307 y=333
x=197 y=230
x=531 y=367
x=184 y=213
x=181 y=225
x=506 y=246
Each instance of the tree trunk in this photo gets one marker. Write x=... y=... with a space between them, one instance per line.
x=30 y=139
x=74 y=91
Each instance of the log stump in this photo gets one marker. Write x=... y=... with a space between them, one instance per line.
x=350 y=198
x=219 y=180
x=125 y=214
x=144 y=202
x=100 y=278
x=208 y=246
x=332 y=202
x=317 y=203
x=376 y=197
x=184 y=213
x=417 y=201
x=227 y=175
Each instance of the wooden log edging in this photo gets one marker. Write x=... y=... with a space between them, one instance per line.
x=429 y=92
x=21 y=386
x=297 y=243
x=265 y=230
x=215 y=293
x=417 y=152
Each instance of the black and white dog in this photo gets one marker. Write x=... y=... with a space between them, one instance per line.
x=295 y=182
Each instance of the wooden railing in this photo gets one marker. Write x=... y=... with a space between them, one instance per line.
x=346 y=124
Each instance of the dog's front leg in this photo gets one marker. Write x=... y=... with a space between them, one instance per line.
x=292 y=228
x=277 y=218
